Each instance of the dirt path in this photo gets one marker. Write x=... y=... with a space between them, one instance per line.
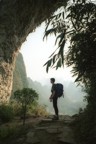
x=46 y=131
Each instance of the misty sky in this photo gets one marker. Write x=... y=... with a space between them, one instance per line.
x=36 y=52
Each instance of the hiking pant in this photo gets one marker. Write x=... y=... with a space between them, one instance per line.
x=55 y=98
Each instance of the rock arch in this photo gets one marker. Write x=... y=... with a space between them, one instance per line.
x=17 y=19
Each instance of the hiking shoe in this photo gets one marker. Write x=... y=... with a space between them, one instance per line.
x=55 y=118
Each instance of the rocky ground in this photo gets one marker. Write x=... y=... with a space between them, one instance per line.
x=46 y=131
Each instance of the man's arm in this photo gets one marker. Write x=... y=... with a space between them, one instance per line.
x=52 y=95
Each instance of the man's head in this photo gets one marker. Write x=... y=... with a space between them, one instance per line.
x=52 y=80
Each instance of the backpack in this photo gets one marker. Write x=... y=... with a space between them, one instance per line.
x=59 y=89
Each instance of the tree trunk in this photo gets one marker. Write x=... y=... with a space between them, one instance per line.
x=24 y=113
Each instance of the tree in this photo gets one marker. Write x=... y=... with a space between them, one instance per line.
x=26 y=97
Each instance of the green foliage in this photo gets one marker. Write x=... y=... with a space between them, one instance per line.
x=11 y=132
x=85 y=127
x=25 y=97
x=76 y=24
x=81 y=54
x=6 y=113
x=86 y=121
x=59 y=29
x=17 y=108
x=6 y=131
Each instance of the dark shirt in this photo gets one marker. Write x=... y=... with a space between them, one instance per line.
x=53 y=88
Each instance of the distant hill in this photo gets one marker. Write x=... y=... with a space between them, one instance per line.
x=19 y=75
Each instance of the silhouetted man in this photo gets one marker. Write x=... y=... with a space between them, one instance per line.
x=54 y=98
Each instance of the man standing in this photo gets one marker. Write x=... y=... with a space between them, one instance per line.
x=54 y=98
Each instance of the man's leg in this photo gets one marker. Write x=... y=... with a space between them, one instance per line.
x=55 y=106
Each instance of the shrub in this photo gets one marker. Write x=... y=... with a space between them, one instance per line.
x=10 y=132
x=38 y=110
x=25 y=97
x=6 y=113
x=16 y=107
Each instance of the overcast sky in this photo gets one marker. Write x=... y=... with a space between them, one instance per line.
x=36 y=52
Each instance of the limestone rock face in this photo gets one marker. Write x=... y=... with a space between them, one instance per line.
x=6 y=75
x=17 y=19
x=19 y=75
